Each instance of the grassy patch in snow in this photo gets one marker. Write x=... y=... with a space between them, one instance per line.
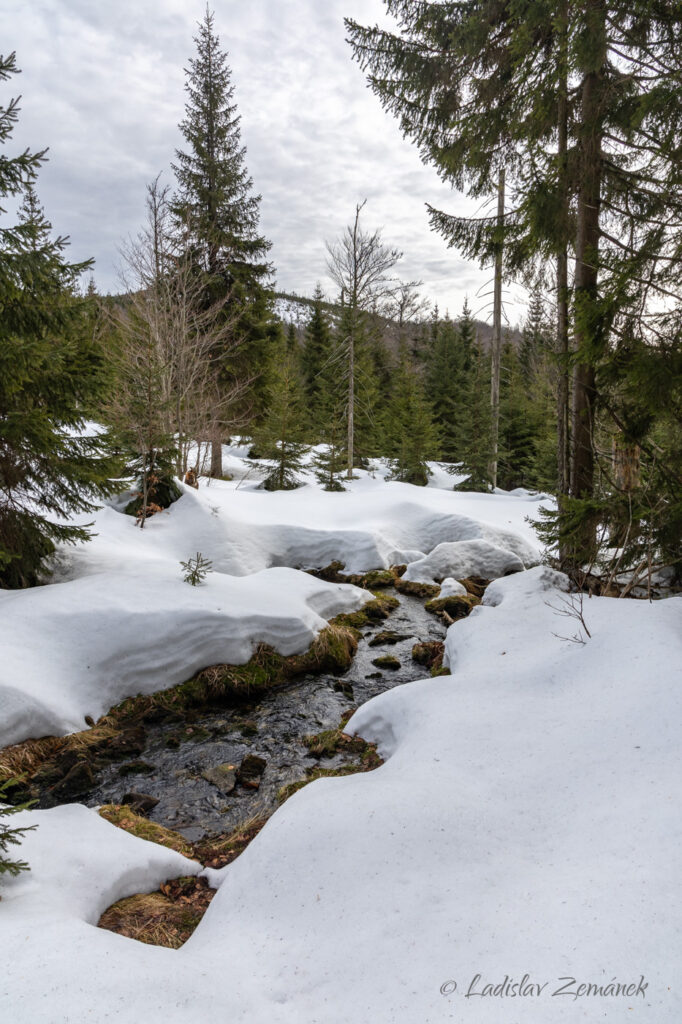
x=125 y=818
x=417 y=589
x=166 y=917
x=458 y=606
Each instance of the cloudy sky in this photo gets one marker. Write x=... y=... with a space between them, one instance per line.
x=102 y=86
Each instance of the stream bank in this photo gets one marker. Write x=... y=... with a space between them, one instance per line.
x=226 y=767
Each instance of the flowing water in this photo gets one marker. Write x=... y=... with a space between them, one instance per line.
x=271 y=727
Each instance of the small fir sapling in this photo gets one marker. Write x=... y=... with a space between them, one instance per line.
x=196 y=569
x=11 y=837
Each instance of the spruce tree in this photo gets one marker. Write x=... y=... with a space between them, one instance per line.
x=11 y=837
x=279 y=440
x=448 y=381
x=51 y=374
x=330 y=457
x=581 y=105
x=517 y=424
x=411 y=436
x=218 y=213
x=474 y=457
x=315 y=355
x=535 y=337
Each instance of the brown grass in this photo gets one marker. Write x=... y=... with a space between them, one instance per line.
x=163 y=918
x=25 y=758
x=125 y=818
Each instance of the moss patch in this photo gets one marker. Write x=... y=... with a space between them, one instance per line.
x=374 y=611
x=386 y=661
x=455 y=607
x=475 y=585
x=217 y=851
x=329 y=743
x=313 y=774
x=417 y=589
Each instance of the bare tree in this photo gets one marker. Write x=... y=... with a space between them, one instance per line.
x=404 y=305
x=170 y=394
x=359 y=264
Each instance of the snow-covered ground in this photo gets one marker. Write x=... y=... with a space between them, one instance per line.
x=525 y=825
x=119 y=620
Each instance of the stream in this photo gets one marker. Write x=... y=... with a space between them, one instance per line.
x=271 y=728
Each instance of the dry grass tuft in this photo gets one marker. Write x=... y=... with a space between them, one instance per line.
x=163 y=918
x=125 y=818
x=25 y=758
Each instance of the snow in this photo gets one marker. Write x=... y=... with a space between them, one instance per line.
x=111 y=635
x=452 y=588
x=118 y=620
x=526 y=821
x=374 y=524
x=471 y=558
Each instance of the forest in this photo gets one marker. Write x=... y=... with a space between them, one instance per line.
x=329 y=620
x=585 y=404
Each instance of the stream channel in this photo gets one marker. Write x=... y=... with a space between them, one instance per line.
x=271 y=727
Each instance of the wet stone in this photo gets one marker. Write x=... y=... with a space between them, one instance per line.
x=79 y=780
x=223 y=777
x=250 y=771
x=136 y=768
x=141 y=803
x=387 y=661
x=388 y=638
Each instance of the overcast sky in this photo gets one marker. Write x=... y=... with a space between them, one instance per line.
x=102 y=86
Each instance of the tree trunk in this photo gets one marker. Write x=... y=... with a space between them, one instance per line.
x=586 y=279
x=496 y=341
x=351 y=403
x=563 y=390
x=216 y=455
x=563 y=453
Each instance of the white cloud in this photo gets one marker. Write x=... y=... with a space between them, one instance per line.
x=103 y=85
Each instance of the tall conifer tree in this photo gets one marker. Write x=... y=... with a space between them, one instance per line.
x=411 y=437
x=51 y=372
x=581 y=105
x=315 y=355
x=216 y=208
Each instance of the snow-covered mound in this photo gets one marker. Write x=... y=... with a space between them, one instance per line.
x=243 y=529
x=526 y=822
x=452 y=588
x=77 y=648
x=118 y=620
x=470 y=558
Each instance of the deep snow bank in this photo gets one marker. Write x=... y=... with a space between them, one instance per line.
x=77 y=648
x=526 y=822
x=374 y=524
x=118 y=620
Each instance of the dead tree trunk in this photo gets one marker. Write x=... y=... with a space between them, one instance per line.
x=216 y=455
x=497 y=339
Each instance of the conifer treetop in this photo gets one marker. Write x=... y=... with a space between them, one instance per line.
x=215 y=199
